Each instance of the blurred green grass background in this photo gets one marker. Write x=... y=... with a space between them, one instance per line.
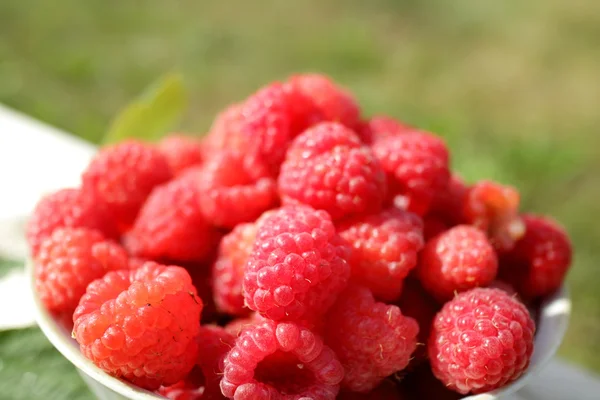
x=513 y=86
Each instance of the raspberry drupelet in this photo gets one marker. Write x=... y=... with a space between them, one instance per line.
x=458 y=259
x=538 y=263
x=123 y=175
x=68 y=260
x=494 y=208
x=141 y=325
x=298 y=265
x=328 y=168
x=282 y=360
x=171 y=226
x=384 y=249
x=381 y=127
x=417 y=167
x=372 y=340
x=180 y=151
x=235 y=188
x=481 y=340
x=228 y=269
x=72 y=208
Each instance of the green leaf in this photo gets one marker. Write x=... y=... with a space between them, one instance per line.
x=158 y=110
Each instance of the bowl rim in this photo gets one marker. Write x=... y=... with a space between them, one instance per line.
x=556 y=305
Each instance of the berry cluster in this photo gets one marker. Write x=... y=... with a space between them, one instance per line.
x=297 y=251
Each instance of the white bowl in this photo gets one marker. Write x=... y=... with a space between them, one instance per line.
x=552 y=325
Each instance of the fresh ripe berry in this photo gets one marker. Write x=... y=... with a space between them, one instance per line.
x=481 y=340
x=235 y=189
x=298 y=265
x=538 y=263
x=171 y=226
x=459 y=259
x=332 y=102
x=201 y=274
x=416 y=303
x=240 y=324
x=122 y=176
x=417 y=168
x=280 y=361
x=387 y=390
x=141 y=325
x=433 y=226
x=372 y=340
x=190 y=388
x=448 y=203
x=68 y=260
x=384 y=249
x=381 y=127
x=214 y=343
x=259 y=127
x=180 y=151
x=494 y=208
x=228 y=270
x=328 y=168
x=73 y=208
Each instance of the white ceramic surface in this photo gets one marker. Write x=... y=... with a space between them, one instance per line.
x=553 y=321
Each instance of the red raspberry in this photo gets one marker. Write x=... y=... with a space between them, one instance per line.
x=259 y=127
x=122 y=176
x=457 y=260
x=387 y=390
x=416 y=303
x=385 y=247
x=190 y=388
x=538 y=263
x=238 y=325
x=214 y=343
x=298 y=265
x=228 y=270
x=433 y=226
x=170 y=225
x=331 y=102
x=68 y=260
x=234 y=189
x=180 y=151
x=381 y=127
x=417 y=167
x=494 y=209
x=201 y=274
x=280 y=361
x=327 y=168
x=141 y=325
x=448 y=204
x=481 y=340
x=67 y=208
x=372 y=340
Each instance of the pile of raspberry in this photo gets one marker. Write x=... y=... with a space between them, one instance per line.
x=299 y=250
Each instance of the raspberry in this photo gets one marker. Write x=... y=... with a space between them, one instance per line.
x=416 y=303
x=481 y=340
x=68 y=260
x=214 y=343
x=259 y=127
x=433 y=226
x=298 y=265
x=372 y=340
x=180 y=151
x=171 y=226
x=417 y=168
x=238 y=325
x=228 y=270
x=191 y=388
x=327 y=168
x=234 y=189
x=448 y=204
x=381 y=127
x=67 y=208
x=387 y=390
x=202 y=281
x=538 y=263
x=122 y=176
x=332 y=102
x=457 y=260
x=280 y=361
x=385 y=247
x=141 y=325
x=493 y=208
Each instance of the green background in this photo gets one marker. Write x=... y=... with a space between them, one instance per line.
x=513 y=86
